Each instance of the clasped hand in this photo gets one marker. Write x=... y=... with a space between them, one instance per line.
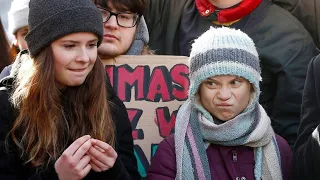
x=83 y=155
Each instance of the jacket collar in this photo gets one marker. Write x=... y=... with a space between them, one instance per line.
x=206 y=9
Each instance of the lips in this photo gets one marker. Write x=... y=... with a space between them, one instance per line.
x=224 y=105
x=78 y=70
x=109 y=36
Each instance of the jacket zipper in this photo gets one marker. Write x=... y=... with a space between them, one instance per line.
x=234 y=156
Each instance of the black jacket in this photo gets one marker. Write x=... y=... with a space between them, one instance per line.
x=285 y=49
x=308 y=12
x=11 y=166
x=306 y=159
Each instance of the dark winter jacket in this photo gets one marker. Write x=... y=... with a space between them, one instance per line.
x=11 y=166
x=285 y=49
x=236 y=163
x=308 y=12
x=306 y=157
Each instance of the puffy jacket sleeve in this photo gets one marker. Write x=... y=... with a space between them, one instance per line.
x=163 y=163
x=305 y=11
x=306 y=160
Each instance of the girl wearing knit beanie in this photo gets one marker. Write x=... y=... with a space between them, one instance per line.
x=59 y=118
x=18 y=23
x=221 y=131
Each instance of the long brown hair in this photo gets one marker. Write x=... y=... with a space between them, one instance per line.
x=50 y=119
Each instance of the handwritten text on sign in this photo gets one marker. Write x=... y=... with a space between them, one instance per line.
x=152 y=88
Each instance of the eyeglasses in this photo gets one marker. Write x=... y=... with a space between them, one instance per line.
x=127 y=20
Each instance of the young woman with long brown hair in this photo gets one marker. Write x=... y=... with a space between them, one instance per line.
x=59 y=118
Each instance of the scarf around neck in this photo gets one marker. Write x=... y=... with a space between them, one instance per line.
x=209 y=11
x=195 y=127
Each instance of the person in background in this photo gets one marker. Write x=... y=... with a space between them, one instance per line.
x=307 y=12
x=18 y=26
x=306 y=157
x=58 y=118
x=221 y=131
x=18 y=22
x=125 y=30
x=285 y=47
x=5 y=56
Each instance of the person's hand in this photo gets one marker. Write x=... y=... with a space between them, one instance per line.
x=74 y=163
x=102 y=155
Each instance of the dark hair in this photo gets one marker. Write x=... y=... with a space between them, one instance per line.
x=134 y=6
x=5 y=56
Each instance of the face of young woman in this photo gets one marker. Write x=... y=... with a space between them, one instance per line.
x=74 y=57
x=19 y=38
x=225 y=96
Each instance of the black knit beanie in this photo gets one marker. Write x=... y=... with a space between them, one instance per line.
x=51 y=19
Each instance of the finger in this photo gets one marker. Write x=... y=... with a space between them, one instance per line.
x=99 y=149
x=99 y=164
x=81 y=151
x=106 y=147
x=70 y=151
x=99 y=156
x=83 y=162
x=95 y=167
x=85 y=171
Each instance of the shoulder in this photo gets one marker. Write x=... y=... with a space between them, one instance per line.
x=316 y=61
x=166 y=148
x=283 y=145
x=286 y=156
x=270 y=19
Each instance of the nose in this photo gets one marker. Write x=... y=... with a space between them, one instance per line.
x=83 y=55
x=111 y=23
x=224 y=94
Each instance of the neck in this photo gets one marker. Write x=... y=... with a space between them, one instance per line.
x=224 y=3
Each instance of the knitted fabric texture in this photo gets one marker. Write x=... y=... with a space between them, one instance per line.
x=18 y=15
x=141 y=38
x=51 y=20
x=223 y=51
x=251 y=128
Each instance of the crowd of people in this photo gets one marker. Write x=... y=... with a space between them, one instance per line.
x=252 y=109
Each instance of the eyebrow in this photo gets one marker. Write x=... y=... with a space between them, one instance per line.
x=73 y=41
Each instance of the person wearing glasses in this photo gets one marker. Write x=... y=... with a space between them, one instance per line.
x=125 y=30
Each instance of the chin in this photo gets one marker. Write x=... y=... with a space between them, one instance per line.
x=109 y=51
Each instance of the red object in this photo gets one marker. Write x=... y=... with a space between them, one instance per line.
x=205 y=9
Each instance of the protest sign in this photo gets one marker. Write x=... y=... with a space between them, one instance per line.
x=152 y=89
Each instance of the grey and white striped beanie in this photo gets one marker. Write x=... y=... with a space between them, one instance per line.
x=223 y=51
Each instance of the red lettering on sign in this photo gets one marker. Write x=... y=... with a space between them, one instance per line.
x=160 y=85
x=134 y=116
x=164 y=121
x=128 y=77
x=179 y=75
